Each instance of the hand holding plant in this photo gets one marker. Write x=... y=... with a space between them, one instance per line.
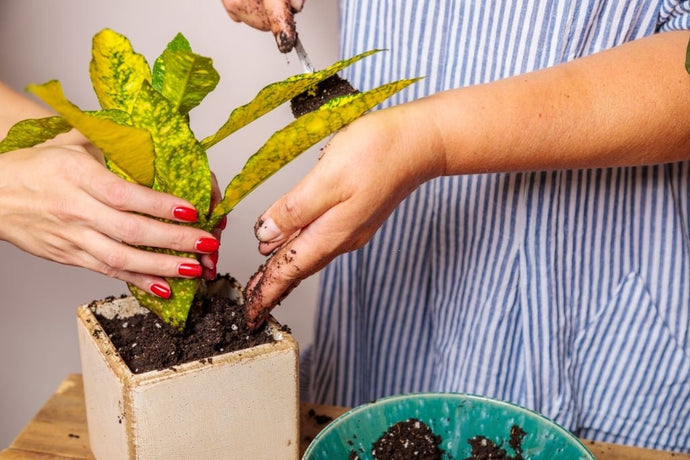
x=143 y=131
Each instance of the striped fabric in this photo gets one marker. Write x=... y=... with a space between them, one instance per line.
x=567 y=292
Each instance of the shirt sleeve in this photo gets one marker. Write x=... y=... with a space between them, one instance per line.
x=674 y=15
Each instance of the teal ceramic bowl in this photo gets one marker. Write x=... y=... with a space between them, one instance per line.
x=456 y=418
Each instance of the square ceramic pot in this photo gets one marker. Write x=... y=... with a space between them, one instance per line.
x=243 y=404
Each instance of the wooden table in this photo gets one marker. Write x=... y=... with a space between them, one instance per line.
x=58 y=431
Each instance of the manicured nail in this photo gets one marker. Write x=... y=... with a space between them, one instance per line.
x=185 y=214
x=267 y=230
x=208 y=245
x=223 y=223
x=190 y=270
x=214 y=258
x=161 y=291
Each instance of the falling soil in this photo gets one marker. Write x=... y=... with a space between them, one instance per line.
x=321 y=93
x=409 y=439
x=484 y=448
x=216 y=325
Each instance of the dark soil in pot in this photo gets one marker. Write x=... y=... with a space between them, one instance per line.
x=216 y=325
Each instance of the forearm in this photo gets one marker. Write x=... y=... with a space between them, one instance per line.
x=625 y=106
x=15 y=107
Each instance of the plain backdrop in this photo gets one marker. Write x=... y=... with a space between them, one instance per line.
x=42 y=40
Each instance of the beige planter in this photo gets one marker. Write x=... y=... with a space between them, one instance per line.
x=241 y=405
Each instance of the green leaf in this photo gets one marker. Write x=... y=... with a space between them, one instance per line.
x=182 y=170
x=28 y=133
x=179 y=43
x=275 y=95
x=174 y=310
x=117 y=72
x=180 y=162
x=131 y=149
x=183 y=77
x=286 y=144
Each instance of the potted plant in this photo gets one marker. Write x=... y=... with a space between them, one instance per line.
x=239 y=404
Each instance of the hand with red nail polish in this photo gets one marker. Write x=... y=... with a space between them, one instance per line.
x=209 y=259
x=59 y=202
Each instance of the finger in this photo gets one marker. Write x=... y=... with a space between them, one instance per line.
x=216 y=194
x=138 y=230
x=296 y=5
x=298 y=208
x=282 y=21
x=210 y=265
x=311 y=250
x=119 y=194
x=251 y=13
x=116 y=258
x=154 y=285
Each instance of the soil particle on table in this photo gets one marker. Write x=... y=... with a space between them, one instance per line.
x=321 y=419
x=321 y=93
x=409 y=439
x=215 y=326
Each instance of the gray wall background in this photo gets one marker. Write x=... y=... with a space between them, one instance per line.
x=42 y=40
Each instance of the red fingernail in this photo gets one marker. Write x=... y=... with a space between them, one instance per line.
x=190 y=270
x=185 y=214
x=223 y=223
x=161 y=291
x=214 y=258
x=208 y=245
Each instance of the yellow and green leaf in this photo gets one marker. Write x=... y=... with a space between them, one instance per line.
x=275 y=95
x=286 y=144
x=28 y=133
x=182 y=170
x=174 y=310
x=180 y=162
x=117 y=72
x=183 y=77
x=130 y=148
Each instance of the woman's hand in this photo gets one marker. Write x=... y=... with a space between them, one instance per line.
x=365 y=171
x=274 y=15
x=62 y=204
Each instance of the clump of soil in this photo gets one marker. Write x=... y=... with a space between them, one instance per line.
x=409 y=439
x=216 y=325
x=321 y=93
x=484 y=448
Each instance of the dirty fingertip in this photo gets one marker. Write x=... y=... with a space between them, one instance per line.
x=266 y=230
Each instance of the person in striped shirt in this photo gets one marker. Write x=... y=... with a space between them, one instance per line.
x=515 y=225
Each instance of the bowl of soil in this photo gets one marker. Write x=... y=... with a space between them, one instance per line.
x=444 y=426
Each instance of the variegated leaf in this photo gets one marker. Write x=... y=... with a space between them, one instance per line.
x=183 y=77
x=182 y=170
x=181 y=163
x=275 y=95
x=131 y=149
x=28 y=133
x=175 y=310
x=117 y=72
x=286 y=144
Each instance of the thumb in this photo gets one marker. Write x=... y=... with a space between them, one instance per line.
x=293 y=212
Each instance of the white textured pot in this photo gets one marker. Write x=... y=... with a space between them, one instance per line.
x=241 y=405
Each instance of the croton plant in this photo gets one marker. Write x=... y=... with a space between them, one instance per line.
x=143 y=131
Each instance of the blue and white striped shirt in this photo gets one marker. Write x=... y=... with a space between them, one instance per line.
x=567 y=292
